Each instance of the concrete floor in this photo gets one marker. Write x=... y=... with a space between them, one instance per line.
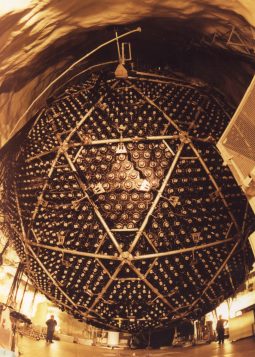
x=32 y=348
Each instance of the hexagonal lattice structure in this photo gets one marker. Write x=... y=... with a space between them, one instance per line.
x=120 y=207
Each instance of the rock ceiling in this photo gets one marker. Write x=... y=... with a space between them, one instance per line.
x=39 y=39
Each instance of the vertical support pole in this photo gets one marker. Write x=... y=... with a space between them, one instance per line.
x=118 y=46
x=32 y=302
x=23 y=295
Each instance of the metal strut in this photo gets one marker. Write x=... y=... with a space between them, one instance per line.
x=138 y=29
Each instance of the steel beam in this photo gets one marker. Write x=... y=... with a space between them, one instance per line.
x=107 y=141
x=106 y=287
x=157 y=198
x=54 y=162
x=100 y=217
x=71 y=251
x=215 y=185
x=160 y=79
x=181 y=251
x=214 y=278
x=150 y=286
x=167 y=117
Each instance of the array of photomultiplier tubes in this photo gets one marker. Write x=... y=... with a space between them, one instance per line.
x=120 y=206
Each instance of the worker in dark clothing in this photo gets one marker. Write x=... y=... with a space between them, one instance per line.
x=51 y=324
x=220 y=329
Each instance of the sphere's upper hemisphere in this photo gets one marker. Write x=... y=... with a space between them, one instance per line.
x=120 y=206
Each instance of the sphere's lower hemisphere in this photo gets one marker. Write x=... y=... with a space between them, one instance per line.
x=129 y=219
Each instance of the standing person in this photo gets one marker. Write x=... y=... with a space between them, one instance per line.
x=51 y=324
x=220 y=329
